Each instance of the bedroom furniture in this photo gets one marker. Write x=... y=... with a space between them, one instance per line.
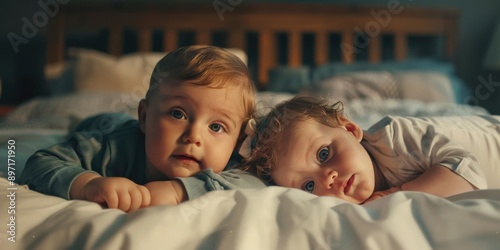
x=269 y=218
x=360 y=28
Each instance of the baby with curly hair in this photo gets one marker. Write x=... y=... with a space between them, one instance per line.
x=308 y=143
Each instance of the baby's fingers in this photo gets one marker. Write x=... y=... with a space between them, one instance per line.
x=133 y=198
x=146 y=196
x=112 y=199
x=117 y=192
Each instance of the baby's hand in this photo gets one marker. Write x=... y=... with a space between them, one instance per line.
x=117 y=192
x=380 y=194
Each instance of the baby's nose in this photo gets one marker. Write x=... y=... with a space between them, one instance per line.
x=192 y=135
x=329 y=178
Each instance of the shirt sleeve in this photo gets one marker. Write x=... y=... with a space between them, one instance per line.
x=206 y=181
x=52 y=171
x=406 y=147
x=439 y=150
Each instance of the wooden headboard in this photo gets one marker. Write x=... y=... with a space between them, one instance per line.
x=265 y=20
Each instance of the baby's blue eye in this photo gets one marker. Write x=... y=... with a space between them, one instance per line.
x=309 y=186
x=216 y=127
x=177 y=114
x=323 y=154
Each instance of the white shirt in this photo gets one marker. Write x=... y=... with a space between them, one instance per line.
x=404 y=147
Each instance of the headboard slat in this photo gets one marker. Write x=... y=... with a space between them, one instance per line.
x=169 y=39
x=145 y=39
x=203 y=37
x=236 y=39
x=401 y=45
x=347 y=48
x=267 y=54
x=375 y=49
x=56 y=34
x=321 y=48
x=450 y=37
x=115 y=41
x=295 y=48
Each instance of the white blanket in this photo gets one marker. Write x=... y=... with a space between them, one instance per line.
x=269 y=218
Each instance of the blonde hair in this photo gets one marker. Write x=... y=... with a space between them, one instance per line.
x=270 y=129
x=205 y=65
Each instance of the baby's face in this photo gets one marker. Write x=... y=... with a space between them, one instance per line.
x=190 y=128
x=325 y=161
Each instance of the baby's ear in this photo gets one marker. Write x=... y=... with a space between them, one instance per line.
x=141 y=113
x=353 y=128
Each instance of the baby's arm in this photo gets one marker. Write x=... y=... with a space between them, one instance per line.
x=114 y=192
x=438 y=180
x=166 y=192
x=188 y=188
x=51 y=171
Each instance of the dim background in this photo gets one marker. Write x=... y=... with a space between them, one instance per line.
x=22 y=72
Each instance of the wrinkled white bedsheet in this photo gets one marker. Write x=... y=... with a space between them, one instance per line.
x=269 y=218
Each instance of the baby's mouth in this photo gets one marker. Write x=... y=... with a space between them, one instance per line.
x=348 y=184
x=186 y=158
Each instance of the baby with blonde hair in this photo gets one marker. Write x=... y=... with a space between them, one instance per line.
x=199 y=100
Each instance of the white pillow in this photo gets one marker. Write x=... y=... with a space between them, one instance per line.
x=63 y=111
x=98 y=71
x=380 y=85
x=242 y=55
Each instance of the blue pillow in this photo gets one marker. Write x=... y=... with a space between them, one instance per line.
x=460 y=90
x=63 y=84
x=288 y=79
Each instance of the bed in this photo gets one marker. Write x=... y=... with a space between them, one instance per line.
x=82 y=81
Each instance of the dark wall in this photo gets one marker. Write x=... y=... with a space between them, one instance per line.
x=21 y=70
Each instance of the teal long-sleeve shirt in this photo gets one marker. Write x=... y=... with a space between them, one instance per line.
x=112 y=145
